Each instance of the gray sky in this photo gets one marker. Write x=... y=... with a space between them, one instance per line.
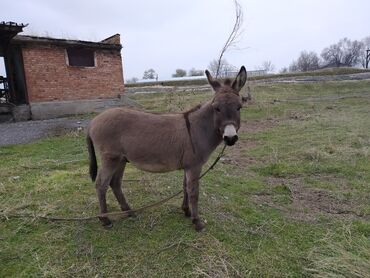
x=169 y=34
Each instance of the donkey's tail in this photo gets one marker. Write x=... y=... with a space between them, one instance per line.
x=93 y=165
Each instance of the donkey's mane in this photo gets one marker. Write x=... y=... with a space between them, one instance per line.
x=227 y=82
x=187 y=122
x=186 y=113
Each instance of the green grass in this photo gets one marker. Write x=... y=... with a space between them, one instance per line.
x=291 y=199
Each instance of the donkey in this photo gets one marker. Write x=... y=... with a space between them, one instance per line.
x=164 y=142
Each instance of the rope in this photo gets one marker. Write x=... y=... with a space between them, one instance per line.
x=214 y=163
x=115 y=213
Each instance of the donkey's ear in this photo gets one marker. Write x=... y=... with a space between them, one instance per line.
x=214 y=83
x=240 y=80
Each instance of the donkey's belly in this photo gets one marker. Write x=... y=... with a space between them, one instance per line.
x=155 y=167
x=154 y=152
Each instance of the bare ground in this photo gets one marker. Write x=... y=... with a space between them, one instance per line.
x=308 y=204
x=26 y=132
x=238 y=155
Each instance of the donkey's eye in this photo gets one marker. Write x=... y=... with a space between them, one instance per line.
x=217 y=109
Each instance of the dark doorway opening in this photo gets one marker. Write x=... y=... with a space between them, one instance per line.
x=4 y=87
x=13 y=88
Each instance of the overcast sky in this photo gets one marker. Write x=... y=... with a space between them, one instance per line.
x=169 y=34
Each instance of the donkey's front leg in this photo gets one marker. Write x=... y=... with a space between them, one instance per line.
x=185 y=201
x=192 y=187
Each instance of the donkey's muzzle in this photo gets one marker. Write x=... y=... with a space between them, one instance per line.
x=230 y=136
x=230 y=140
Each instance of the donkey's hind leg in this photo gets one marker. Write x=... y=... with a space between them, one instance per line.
x=116 y=185
x=105 y=175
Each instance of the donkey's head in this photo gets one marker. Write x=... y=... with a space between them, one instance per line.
x=227 y=104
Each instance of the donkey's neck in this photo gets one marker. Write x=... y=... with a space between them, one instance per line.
x=204 y=135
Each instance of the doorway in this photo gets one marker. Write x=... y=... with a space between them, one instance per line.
x=4 y=87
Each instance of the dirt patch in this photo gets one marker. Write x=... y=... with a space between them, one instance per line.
x=297 y=115
x=257 y=125
x=312 y=202
x=306 y=204
x=238 y=154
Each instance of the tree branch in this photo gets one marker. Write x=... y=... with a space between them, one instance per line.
x=233 y=37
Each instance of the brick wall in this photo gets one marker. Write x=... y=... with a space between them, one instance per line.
x=49 y=78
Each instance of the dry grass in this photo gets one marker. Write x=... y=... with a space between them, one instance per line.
x=349 y=258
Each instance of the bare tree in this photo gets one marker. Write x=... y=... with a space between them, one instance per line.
x=132 y=80
x=332 y=54
x=221 y=67
x=308 y=61
x=293 y=67
x=305 y=62
x=283 y=70
x=365 y=46
x=150 y=74
x=233 y=37
x=345 y=52
x=268 y=66
x=179 y=73
x=195 y=72
x=352 y=52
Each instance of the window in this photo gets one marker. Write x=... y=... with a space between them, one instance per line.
x=80 y=57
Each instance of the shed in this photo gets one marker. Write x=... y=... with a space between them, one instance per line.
x=50 y=77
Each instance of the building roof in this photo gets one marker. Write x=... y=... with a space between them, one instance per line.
x=11 y=26
x=108 y=43
x=7 y=31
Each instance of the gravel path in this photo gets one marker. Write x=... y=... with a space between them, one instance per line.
x=26 y=132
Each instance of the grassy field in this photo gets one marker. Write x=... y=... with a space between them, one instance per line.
x=290 y=199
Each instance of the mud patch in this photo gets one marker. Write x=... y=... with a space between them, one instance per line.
x=306 y=204
x=309 y=203
x=238 y=156
x=257 y=125
x=300 y=116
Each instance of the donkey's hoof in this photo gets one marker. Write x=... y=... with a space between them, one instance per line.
x=128 y=211
x=108 y=226
x=106 y=223
x=199 y=225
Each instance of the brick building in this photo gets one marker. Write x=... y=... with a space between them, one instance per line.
x=47 y=77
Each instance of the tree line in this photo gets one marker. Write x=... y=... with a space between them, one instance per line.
x=345 y=53
x=152 y=74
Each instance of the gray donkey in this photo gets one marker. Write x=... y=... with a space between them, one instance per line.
x=164 y=142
